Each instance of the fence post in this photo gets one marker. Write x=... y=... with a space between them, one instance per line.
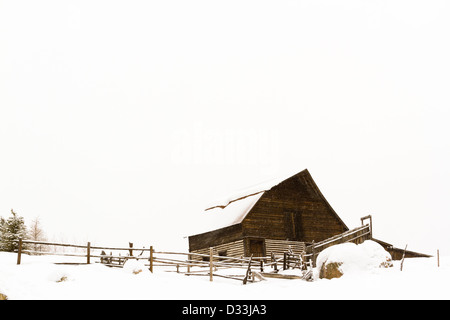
x=151 y=259
x=88 y=253
x=19 y=251
x=403 y=258
x=370 y=224
x=131 y=248
x=313 y=249
x=272 y=260
x=210 y=264
x=438 y=257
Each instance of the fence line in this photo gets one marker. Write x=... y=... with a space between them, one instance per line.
x=208 y=264
x=88 y=248
x=207 y=261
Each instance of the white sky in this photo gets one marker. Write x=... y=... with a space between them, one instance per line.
x=121 y=120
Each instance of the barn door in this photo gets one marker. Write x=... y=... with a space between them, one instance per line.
x=292 y=225
x=256 y=247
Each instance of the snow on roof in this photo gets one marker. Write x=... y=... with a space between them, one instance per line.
x=245 y=192
x=233 y=213
x=233 y=209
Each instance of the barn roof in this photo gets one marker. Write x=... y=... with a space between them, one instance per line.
x=246 y=192
x=233 y=209
x=232 y=213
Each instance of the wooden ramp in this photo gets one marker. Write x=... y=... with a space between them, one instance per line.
x=357 y=235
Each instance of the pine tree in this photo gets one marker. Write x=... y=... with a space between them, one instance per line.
x=11 y=230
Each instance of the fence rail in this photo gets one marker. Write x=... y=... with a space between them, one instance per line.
x=205 y=264
x=357 y=235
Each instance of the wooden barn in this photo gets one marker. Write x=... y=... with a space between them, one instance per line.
x=287 y=214
x=274 y=218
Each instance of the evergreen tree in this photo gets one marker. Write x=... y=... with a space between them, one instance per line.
x=11 y=230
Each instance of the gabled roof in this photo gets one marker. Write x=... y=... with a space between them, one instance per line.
x=247 y=192
x=232 y=213
x=233 y=209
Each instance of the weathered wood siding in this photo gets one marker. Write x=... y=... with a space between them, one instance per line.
x=215 y=237
x=238 y=248
x=278 y=247
x=294 y=210
x=232 y=249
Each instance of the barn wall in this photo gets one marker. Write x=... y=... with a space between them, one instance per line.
x=278 y=247
x=233 y=249
x=237 y=248
x=215 y=238
x=294 y=210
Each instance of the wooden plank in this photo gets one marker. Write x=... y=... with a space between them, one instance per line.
x=280 y=275
x=54 y=244
x=211 y=264
x=249 y=271
x=403 y=258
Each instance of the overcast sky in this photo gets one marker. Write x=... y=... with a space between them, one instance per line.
x=121 y=120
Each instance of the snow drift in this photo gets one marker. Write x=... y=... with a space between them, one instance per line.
x=135 y=267
x=350 y=258
x=39 y=278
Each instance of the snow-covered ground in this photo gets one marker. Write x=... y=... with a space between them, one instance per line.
x=39 y=278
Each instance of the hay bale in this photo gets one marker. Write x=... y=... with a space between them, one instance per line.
x=330 y=270
x=3 y=297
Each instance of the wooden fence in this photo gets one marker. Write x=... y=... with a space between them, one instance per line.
x=190 y=264
x=88 y=250
x=198 y=264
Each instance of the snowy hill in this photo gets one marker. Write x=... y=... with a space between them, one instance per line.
x=38 y=277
